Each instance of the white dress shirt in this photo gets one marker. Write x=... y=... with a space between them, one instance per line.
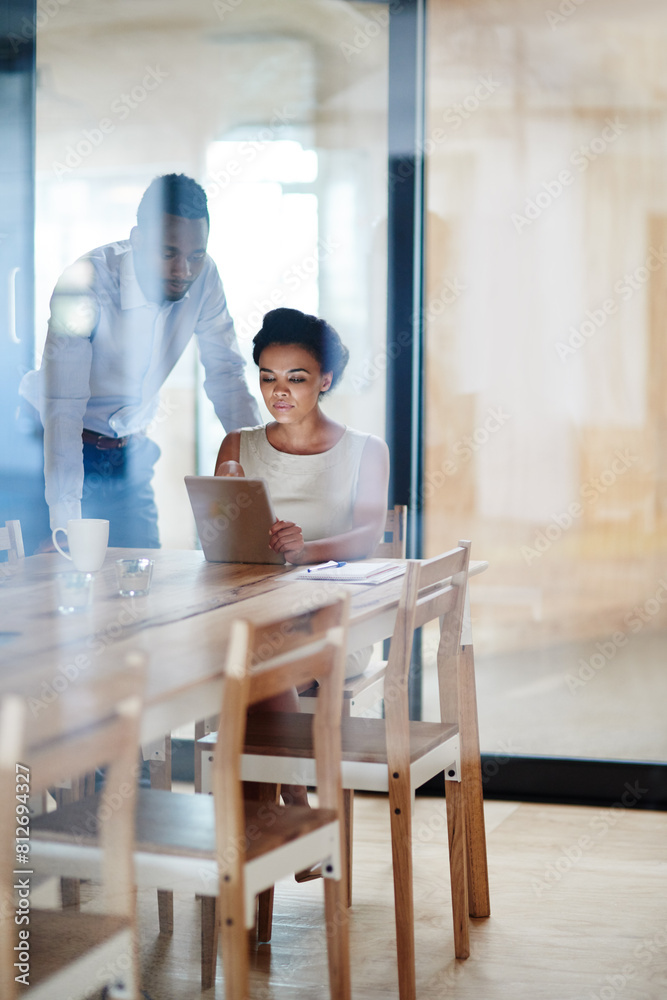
x=108 y=352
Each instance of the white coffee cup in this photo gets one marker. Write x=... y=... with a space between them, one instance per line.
x=87 y=538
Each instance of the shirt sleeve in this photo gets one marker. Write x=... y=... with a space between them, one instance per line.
x=225 y=383
x=64 y=394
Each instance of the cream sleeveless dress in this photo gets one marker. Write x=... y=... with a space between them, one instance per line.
x=317 y=492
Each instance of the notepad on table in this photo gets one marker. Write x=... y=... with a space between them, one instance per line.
x=350 y=572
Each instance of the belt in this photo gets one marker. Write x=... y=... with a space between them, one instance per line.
x=102 y=442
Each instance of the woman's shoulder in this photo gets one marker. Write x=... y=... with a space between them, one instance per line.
x=364 y=449
x=366 y=441
x=239 y=431
x=253 y=443
x=232 y=442
x=249 y=432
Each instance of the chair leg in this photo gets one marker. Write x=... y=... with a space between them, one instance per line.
x=165 y=911
x=264 y=792
x=348 y=814
x=338 y=946
x=233 y=939
x=471 y=781
x=200 y=731
x=70 y=888
x=401 y=851
x=160 y=772
x=70 y=892
x=210 y=930
x=457 y=866
x=265 y=915
x=348 y=817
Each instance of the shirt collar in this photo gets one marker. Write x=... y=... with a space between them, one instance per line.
x=131 y=294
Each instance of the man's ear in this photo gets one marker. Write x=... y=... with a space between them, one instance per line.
x=136 y=238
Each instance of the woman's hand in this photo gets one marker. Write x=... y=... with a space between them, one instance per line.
x=287 y=537
x=229 y=469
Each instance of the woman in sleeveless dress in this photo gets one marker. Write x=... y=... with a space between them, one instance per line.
x=328 y=483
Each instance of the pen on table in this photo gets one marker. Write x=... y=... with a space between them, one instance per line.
x=327 y=565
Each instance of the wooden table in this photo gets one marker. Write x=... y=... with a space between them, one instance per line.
x=61 y=663
x=68 y=665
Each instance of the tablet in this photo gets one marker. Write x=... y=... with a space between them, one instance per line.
x=233 y=516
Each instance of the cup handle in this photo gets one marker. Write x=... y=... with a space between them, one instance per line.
x=55 y=542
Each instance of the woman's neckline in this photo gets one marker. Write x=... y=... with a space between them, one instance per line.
x=306 y=454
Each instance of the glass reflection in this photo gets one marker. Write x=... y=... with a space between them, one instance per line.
x=280 y=113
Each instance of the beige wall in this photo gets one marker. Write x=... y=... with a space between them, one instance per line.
x=546 y=310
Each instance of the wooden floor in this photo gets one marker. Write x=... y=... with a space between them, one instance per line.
x=579 y=912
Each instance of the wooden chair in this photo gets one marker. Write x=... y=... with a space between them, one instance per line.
x=11 y=541
x=362 y=693
x=71 y=954
x=217 y=846
x=393 y=544
x=396 y=756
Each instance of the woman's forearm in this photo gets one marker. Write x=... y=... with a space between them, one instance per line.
x=358 y=543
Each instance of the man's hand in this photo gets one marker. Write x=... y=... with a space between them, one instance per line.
x=230 y=469
x=287 y=537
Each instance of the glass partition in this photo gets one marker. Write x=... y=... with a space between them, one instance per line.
x=545 y=311
x=280 y=112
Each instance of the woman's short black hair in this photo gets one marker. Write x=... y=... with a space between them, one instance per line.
x=291 y=326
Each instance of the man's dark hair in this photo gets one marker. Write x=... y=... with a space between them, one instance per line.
x=291 y=326
x=172 y=194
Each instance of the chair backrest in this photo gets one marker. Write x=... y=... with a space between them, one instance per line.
x=11 y=541
x=263 y=661
x=393 y=545
x=32 y=760
x=432 y=589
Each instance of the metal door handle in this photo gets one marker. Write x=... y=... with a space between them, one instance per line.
x=12 y=305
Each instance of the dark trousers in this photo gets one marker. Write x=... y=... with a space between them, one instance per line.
x=117 y=487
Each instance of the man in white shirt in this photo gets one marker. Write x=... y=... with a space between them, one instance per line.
x=121 y=317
